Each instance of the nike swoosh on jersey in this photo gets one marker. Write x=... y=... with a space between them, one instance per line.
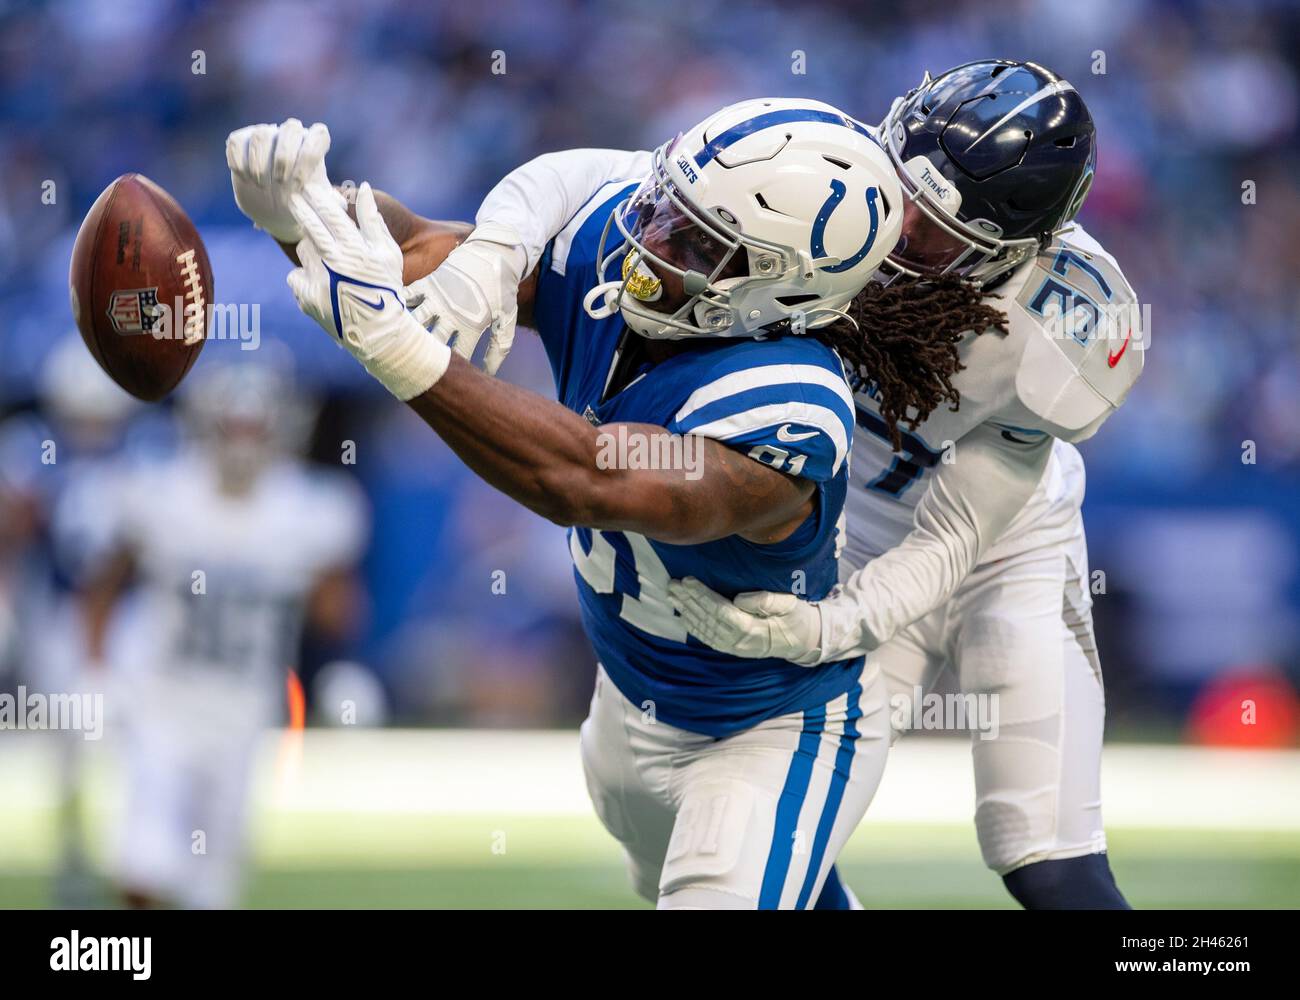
x=783 y=433
x=1113 y=359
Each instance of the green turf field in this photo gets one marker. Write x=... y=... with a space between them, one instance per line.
x=494 y=819
x=568 y=862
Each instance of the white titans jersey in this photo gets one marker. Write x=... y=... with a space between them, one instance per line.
x=1074 y=349
x=224 y=582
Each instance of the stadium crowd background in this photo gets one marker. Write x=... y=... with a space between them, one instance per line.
x=1197 y=195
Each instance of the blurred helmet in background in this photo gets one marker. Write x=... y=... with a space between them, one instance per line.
x=79 y=398
x=246 y=414
x=995 y=157
x=771 y=211
x=346 y=693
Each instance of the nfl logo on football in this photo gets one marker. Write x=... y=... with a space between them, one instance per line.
x=137 y=311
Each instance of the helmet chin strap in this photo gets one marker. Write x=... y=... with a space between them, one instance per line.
x=607 y=290
x=605 y=299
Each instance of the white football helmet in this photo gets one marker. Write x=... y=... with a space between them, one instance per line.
x=75 y=390
x=245 y=415
x=772 y=211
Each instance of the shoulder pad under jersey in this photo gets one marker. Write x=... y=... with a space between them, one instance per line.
x=1084 y=337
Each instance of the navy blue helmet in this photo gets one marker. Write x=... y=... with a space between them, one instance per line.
x=996 y=156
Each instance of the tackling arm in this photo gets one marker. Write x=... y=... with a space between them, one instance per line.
x=967 y=507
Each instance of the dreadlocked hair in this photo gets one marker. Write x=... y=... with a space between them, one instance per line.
x=902 y=344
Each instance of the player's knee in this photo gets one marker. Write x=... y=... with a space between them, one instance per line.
x=1019 y=815
x=1006 y=834
x=1082 y=883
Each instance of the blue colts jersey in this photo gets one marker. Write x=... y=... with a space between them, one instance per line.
x=782 y=401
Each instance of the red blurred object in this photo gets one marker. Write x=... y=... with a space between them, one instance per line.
x=297 y=701
x=1247 y=707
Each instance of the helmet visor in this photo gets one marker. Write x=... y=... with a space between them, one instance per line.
x=678 y=265
x=669 y=241
x=926 y=247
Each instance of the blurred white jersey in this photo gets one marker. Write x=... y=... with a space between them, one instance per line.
x=1061 y=370
x=223 y=589
x=224 y=584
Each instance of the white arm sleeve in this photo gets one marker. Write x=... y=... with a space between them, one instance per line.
x=969 y=504
x=538 y=199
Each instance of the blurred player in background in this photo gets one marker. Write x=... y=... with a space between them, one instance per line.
x=966 y=547
x=235 y=543
x=56 y=468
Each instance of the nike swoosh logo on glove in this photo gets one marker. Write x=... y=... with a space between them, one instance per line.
x=377 y=305
x=336 y=278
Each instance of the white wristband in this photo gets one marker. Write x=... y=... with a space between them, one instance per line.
x=409 y=360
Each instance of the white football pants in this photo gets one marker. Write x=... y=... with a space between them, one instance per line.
x=753 y=820
x=1019 y=629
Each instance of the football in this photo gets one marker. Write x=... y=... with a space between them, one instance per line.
x=140 y=284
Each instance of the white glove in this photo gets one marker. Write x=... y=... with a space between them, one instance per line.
x=473 y=289
x=757 y=624
x=350 y=282
x=268 y=163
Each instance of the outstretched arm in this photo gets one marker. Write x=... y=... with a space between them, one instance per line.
x=533 y=203
x=492 y=275
x=547 y=458
x=535 y=450
x=270 y=163
x=459 y=280
x=425 y=242
x=521 y=215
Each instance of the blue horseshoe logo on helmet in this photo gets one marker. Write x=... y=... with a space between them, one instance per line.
x=824 y=216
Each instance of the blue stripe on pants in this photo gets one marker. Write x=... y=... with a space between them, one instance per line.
x=789 y=807
x=834 y=794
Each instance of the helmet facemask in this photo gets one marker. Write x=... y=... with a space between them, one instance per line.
x=681 y=270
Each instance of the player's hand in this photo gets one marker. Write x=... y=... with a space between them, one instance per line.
x=268 y=164
x=755 y=625
x=350 y=282
x=473 y=290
